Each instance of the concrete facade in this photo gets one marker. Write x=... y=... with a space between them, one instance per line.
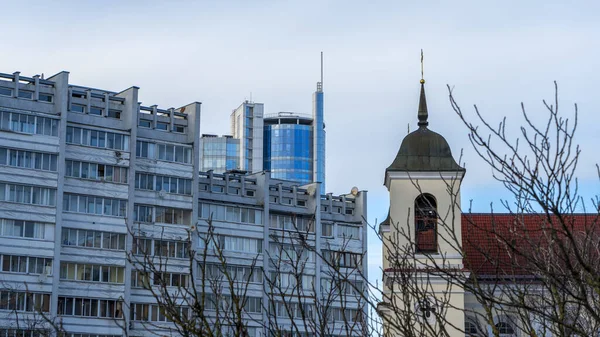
x=85 y=171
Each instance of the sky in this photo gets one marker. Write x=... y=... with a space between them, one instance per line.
x=495 y=54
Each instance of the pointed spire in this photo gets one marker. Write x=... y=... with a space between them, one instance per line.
x=422 y=113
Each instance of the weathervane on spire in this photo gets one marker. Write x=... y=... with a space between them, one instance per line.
x=422 y=114
x=422 y=76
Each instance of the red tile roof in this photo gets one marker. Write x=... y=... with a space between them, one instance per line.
x=498 y=244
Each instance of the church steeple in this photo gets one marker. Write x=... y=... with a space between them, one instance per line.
x=423 y=114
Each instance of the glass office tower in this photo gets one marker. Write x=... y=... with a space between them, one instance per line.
x=294 y=144
x=219 y=154
x=288 y=147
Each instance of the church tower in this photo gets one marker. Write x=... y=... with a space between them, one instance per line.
x=420 y=235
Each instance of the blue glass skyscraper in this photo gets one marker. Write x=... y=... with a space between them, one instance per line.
x=294 y=144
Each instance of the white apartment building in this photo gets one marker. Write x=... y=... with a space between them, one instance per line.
x=87 y=174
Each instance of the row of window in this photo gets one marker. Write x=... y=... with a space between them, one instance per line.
x=345 y=315
x=151 y=182
x=80 y=108
x=151 y=313
x=168 y=215
x=291 y=310
x=292 y=282
x=288 y=222
x=144 y=123
x=218 y=272
x=230 y=213
x=233 y=244
x=348 y=232
x=27 y=194
x=94 y=138
x=341 y=287
x=94 y=171
x=290 y=252
x=27 y=94
x=224 y=302
x=141 y=279
x=4 y=332
x=27 y=123
x=166 y=152
x=343 y=259
x=28 y=159
x=24 y=301
x=93 y=239
x=89 y=307
x=94 y=205
x=26 y=264
x=162 y=248
x=23 y=229
x=91 y=272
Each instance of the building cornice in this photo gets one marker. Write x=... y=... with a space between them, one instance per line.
x=416 y=175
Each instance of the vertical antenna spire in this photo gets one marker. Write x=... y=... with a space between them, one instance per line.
x=422 y=112
x=321 y=82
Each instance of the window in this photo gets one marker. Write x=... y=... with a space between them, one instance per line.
x=288 y=222
x=27 y=123
x=342 y=259
x=78 y=108
x=93 y=171
x=164 y=248
x=230 y=213
x=89 y=307
x=168 y=215
x=145 y=123
x=14 y=332
x=247 y=274
x=292 y=310
x=152 y=313
x=348 y=232
x=96 y=111
x=26 y=94
x=179 y=128
x=28 y=159
x=26 y=264
x=224 y=303
x=170 y=279
x=233 y=244
x=24 y=301
x=345 y=315
x=23 y=229
x=114 y=113
x=505 y=329
x=471 y=329
x=173 y=185
x=94 y=138
x=97 y=239
x=162 y=126
x=289 y=252
x=5 y=91
x=94 y=205
x=326 y=229
x=140 y=279
x=165 y=152
x=425 y=224
x=91 y=272
x=27 y=194
x=48 y=98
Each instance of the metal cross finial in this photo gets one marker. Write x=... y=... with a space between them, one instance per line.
x=422 y=76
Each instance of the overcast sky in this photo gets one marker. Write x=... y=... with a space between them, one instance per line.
x=495 y=54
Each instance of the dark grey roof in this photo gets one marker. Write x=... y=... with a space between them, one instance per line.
x=423 y=149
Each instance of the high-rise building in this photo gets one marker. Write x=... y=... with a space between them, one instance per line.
x=90 y=179
x=293 y=144
x=247 y=126
x=219 y=154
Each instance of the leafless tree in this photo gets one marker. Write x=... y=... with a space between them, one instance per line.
x=212 y=296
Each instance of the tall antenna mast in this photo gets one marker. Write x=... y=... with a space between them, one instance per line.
x=321 y=70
